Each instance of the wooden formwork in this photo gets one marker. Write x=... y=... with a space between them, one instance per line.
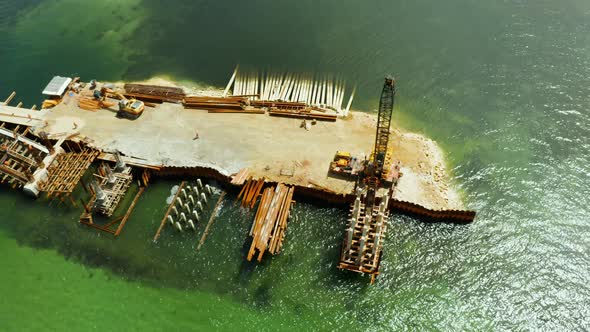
x=114 y=191
x=67 y=170
x=87 y=216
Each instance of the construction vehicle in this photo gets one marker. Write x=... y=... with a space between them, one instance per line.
x=362 y=247
x=344 y=164
x=128 y=108
x=375 y=169
x=378 y=169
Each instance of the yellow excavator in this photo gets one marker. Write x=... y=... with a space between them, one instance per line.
x=128 y=108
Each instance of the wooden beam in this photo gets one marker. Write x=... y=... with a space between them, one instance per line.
x=129 y=210
x=163 y=222
x=213 y=214
x=9 y=99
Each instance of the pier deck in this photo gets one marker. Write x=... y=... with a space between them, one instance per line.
x=266 y=145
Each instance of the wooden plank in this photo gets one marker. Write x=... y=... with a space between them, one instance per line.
x=129 y=210
x=213 y=214
x=234 y=111
x=257 y=193
x=98 y=227
x=163 y=222
x=277 y=230
x=9 y=99
x=265 y=197
x=251 y=193
x=268 y=221
x=245 y=187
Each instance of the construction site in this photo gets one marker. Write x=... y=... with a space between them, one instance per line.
x=267 y=138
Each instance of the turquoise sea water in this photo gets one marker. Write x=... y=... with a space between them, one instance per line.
x=502 y=86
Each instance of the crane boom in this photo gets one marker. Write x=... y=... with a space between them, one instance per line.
x=383 y=124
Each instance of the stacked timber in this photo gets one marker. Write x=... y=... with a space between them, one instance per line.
x=270 y=222
x=214 y=103
x=241 y=177
x=278 y=104
x=89 y=104
x=154 y=93
x=245 y=111
x=250 y=192
x=306 y=114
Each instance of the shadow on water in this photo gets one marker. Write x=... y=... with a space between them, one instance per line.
x=247 y=268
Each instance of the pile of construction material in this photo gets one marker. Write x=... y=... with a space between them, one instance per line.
x=270 y=222
x=250 y=192
x=154 y=93
x=209 y=103
x=92 y=104
x=220 y=104
x=286 y=105
x=306 y=114
x=326 y=91
x=291 y=109
x=240 y=177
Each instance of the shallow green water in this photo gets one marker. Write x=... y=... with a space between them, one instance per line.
x=503 y=86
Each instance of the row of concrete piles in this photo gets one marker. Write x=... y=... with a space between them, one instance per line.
x=314 y=90
x=188 y=206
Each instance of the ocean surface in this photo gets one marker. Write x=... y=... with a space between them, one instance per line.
x=502 y=86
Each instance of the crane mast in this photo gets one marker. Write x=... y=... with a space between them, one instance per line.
x=383 y=125
x=374 y=170
x=362 y=246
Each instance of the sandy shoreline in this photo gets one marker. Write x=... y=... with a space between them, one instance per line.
x=268 y=146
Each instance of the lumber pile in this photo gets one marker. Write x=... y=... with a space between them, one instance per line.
x=270 y=222
x=241 y=177
x=154 y=93
x=208 y=103
x=302 y=114
x=145 y=98
x=278 y=104
x=250 y=192
x=91 y=104
x=247 y=111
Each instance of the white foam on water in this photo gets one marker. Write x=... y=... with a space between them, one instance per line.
x=173 y=192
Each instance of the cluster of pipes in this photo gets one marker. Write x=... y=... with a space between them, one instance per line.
x=189 y=206
x=322 y=92
x=380 y=221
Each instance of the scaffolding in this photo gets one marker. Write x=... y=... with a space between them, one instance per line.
x=107 y=194
x=67 y=170
x=362 y=247
x=20 y=155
